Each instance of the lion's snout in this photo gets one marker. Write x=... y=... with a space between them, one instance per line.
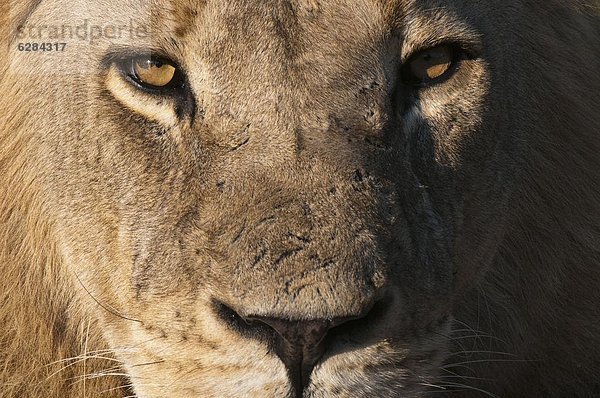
x=301 y=265
x=310 y=248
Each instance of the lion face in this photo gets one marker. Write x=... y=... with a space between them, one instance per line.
x=276 y=199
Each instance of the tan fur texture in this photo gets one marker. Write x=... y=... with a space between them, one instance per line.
x=297 y=176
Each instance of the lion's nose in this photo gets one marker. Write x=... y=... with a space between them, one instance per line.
x=299 y=344
x=297 y=334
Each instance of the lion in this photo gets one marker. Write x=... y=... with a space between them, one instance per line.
x=299 y=198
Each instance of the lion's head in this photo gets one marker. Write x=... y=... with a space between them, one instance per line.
x=299 y=198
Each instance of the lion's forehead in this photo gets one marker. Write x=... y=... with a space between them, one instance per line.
x=334 y=47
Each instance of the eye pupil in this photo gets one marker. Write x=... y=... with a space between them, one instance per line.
x=429 y=65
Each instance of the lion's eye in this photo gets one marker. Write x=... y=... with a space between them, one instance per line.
x=153 y=73
x=430 y=65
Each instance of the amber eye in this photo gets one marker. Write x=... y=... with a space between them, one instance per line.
x=430 y=65
x=153 y=73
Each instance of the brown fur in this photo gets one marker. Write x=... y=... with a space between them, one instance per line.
x=301 y=182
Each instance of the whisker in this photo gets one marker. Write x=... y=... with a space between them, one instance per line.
x=123 y=386
x=468 y=387
x=107 y=307
x=482 y=352
x=433 y=385
x=148 y=363
x=91 y=376
x=486 y=361
x=81 y=359
x=85 y=346
x=454 y=375
x=476 y=333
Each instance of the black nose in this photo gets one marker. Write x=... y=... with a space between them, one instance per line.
x=299 y=344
